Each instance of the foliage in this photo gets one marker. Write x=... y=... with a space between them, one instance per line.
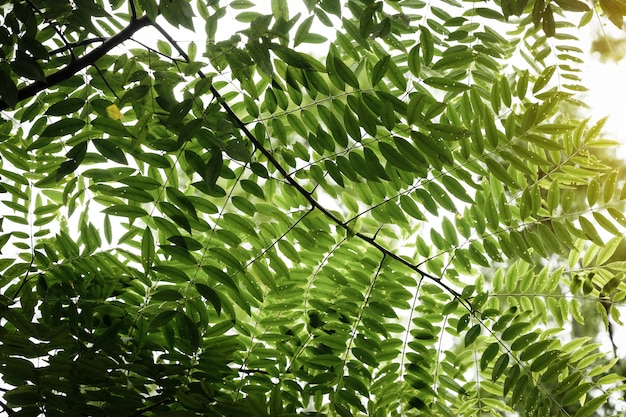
x=391 y=224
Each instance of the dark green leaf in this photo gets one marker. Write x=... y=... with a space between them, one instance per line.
x=63 y=127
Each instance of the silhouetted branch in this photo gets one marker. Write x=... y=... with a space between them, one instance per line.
x=306 y=194
x=76 y=44
x=80 y=63
x=144 y=410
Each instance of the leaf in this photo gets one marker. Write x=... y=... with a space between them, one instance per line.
x=609 y=186
x=591 y=406
x=499 y=172
x=499 y=367
x=414 y=60
x=8 y=89
x=210 y=295
x=590 y=231
x=472 y=334
x=446 y=84
x=28 y=67
x=455 y=187
x=65 y=107
x=345 y=73
x=63 y=127
x=426 y=45
x=460 y=59
x=147 y=249
x=514 y=330
x=122 y=210
x=23 y=395
x=573 y=5
x=111 y=126
x=608 y=250
x=162 y=318
x=303 y=31
x=280 y=10
x=294 y=58
x=110 y=150
x=488 y=355
x=543 y=78
x=548 y=24
x=114 y=112
x=380 y=69
x=220 y=276
x=167 y=294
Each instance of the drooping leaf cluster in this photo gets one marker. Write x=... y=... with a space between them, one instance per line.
x=361 y=208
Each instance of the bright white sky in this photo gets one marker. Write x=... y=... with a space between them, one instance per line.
x=607 y=87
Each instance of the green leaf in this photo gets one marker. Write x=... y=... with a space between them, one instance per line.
x=544 y=360
x=544 y=78
x=488 y=355
x=427 y=45
x=461 y=59
x=499 y=172
x=345 y=73
x=589 y=408
x=220 y=276
x=110 y=126
x=28 y=67
x=380 y=69
x=573 y=5
x=456 y=189
x=590 y=231
x=123 y=210
x=147 y=249
x=446 y=84
x=499 y=367
x=514 y=330
x=414 y=60
x=8 y=89
x=23 y=395
x=280 y=10
x=472 y=334
x=110 y=150
x=167 y=294
x=162 y=318
x=63 y=127
x=65 y=107
x=210 y=295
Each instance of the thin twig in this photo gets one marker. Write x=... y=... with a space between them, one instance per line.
x=6 y=408
x=76 y=45
x=151 y=407
x=54 y=25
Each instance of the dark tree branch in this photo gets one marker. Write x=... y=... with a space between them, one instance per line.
x=133 y=10
x=106 y=81
x=314 y=203
x=81 y=63
x=76 y=44
x=7 y=409
x=151 y=407
x=54 y=25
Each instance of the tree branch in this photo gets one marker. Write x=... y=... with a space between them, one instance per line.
x=314 y=203
x=80 y=63
x=75 y=45
x=7 y=409
x=151 y=407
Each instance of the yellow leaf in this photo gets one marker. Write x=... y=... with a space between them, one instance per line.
x=114 y=112
x=615 y=10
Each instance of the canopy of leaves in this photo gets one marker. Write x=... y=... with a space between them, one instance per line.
x=347 y=208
